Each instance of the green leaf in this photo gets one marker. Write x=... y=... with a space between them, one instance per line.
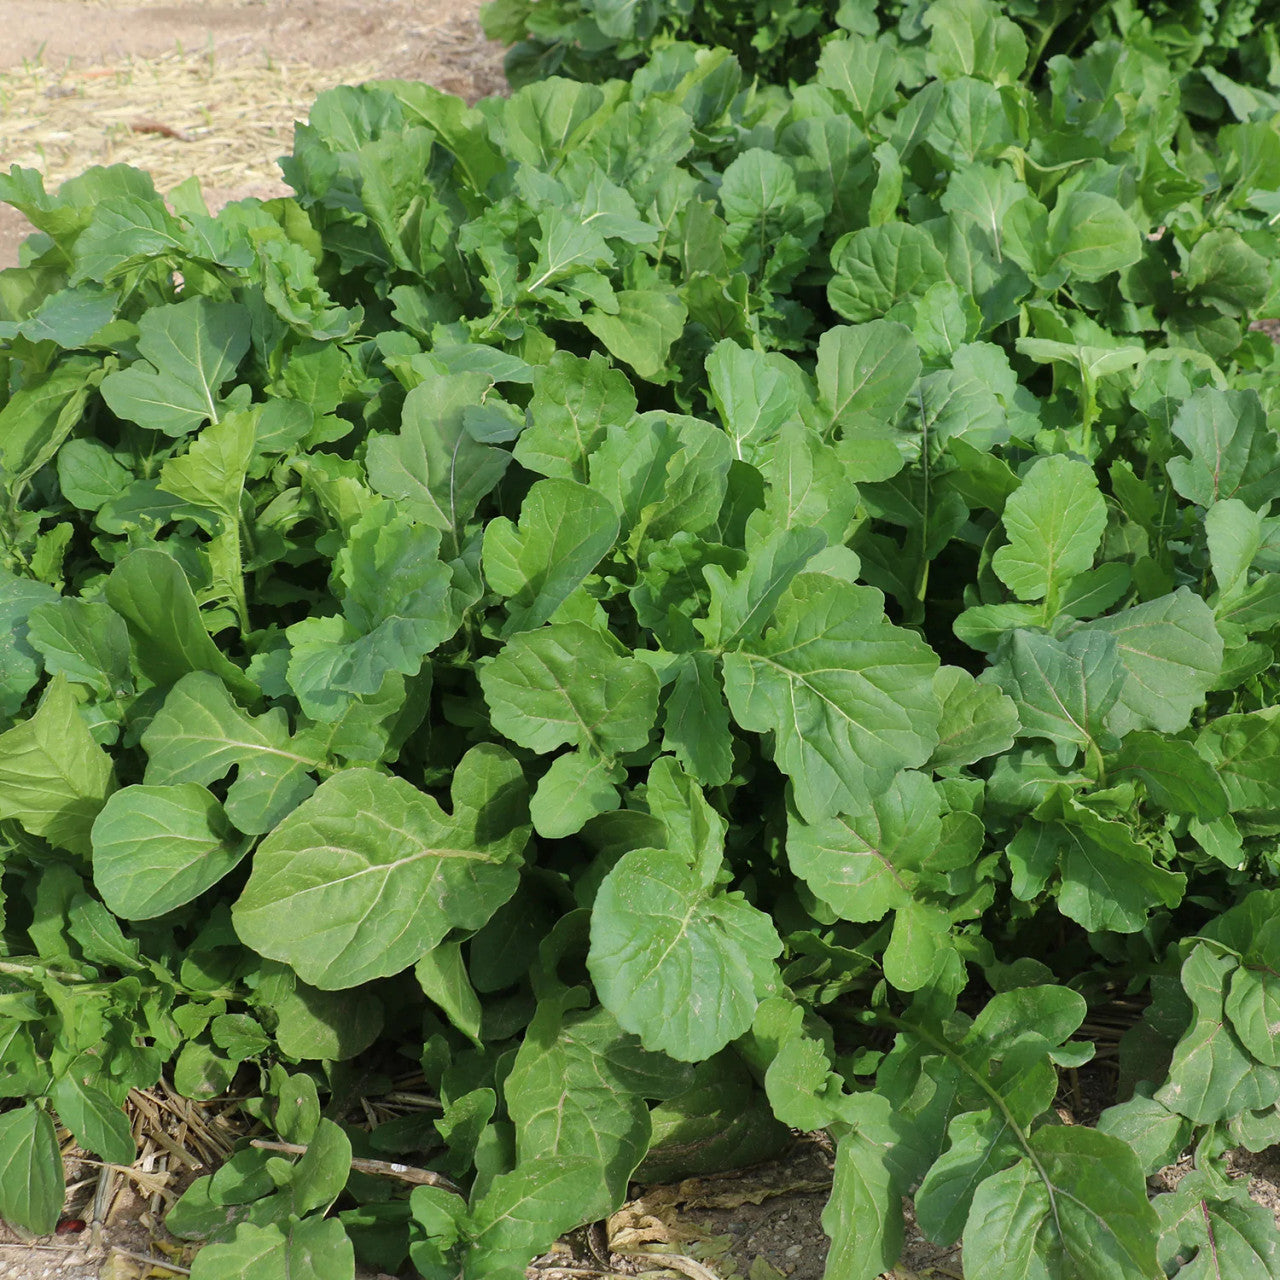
x=977 y=719
x=1210 y=1229
x=158 y=847
x=1213 y=1076
x=211 y=473
x=574 y=401
x=189 y=350
x=574 y=790
x=311 y=1249
x=100 y=1126
x=31 y=1180
x=753 y=396
x=433 y=465
x=442 y=975
x=523 y=1211
x=865 y=371
x=642 y=331
x=53 y=777
x=1176 y=776
x=865 y=863
x=1171 y=652
x=1054 y=522
x=879 y=266
x=849 y=696
x=1079 y=1203
x=580 y=1087
x=1244 y=751
x=1064 y=689
x=1233 y=453
x=863 y=1217
x=973 y=38
x=677 y=964
x=695 y=724
x=570 y=685
x=1091 y=236
x=565 y=530
x=85 y=641
x=149 y=590
x=19 y=661
x=386 y=872
x=199 y=735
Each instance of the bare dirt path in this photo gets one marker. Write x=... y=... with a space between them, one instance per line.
x=83 y=81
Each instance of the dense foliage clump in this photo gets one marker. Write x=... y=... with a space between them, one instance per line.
x=779 y=40
x=669 y=611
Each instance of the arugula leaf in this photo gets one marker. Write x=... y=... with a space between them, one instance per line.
x=388 y=872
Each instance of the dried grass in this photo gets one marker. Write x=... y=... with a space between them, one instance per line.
x=176 y=115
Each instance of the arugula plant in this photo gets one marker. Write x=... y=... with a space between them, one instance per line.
x=669 y=612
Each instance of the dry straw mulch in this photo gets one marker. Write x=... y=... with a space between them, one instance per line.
x=176 y=115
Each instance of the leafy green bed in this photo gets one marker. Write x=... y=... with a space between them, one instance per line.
x=779 y=40
x=680 y=611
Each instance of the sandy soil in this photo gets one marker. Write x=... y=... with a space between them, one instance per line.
x=95 y=52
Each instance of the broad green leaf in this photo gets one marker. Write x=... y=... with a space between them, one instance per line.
x=31 y=1179
x=1171 y=652
x=863 y=1217
x=572 y=792
x=1158 y=1135
x=1244 y=751
x=1234 y=533
x=158 y=847
x=643 y=330
x=753 y=397
x=369 y=873
x=1212 y=1075
x=200 y=734
x=983 y=194
x=1233 y=453
x=149 y=590
x=1210 y=1230
x=38 y=417
x=865 y=371
x=53 y=777
x=1109 y=880
x=565 y=530
x=570 y=685
x=1176 y=776
x=973 y=38
x=580 y=1086
x=319 y=1177
x=742 y=606
x=1054 y=522
x=866 y=73
x=679 y=965
x=398 y=605
x=849 y=696
x=100 y=1126
x=879 y=266
x=1080 y=1209
x=211 y=473
x=433 y=465
x=85 y=641
x=1225 y=273
x=1091 y=236
x=977 y=719
x=189 y=350
x=69 y=317
x=523 y=1211
x=329 y=1026
x=981 y=1143
x=665 y=474
x=1064 y=690
x=574 y=401
x=311 y=1249
x=695 y=721
x=19 y=661
x=865 y=863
